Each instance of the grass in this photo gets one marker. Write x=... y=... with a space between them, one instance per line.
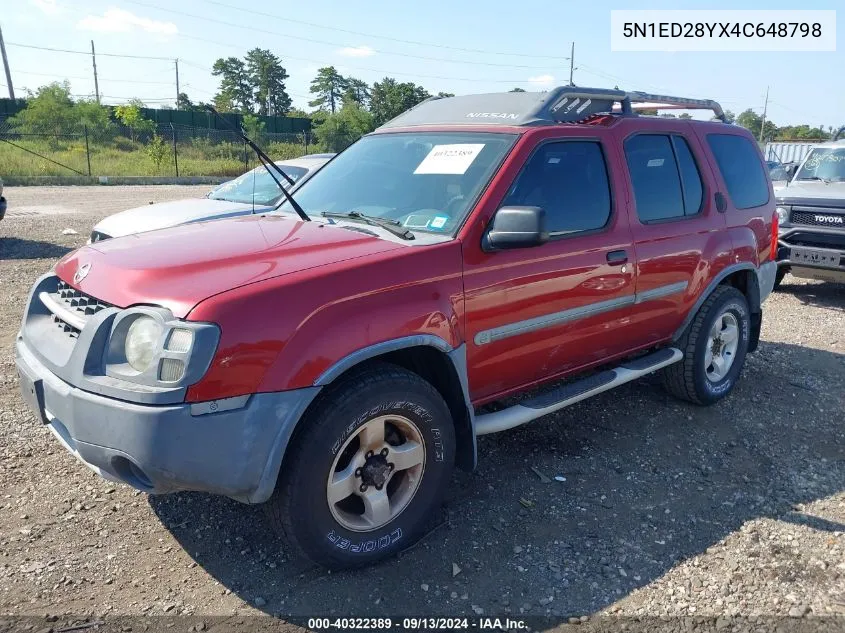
x=123 y=157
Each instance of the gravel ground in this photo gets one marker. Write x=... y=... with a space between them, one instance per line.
x=666 y=508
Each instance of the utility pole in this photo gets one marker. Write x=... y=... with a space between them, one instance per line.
x=176 y=61
x=572 y=64
x=765 y=107
x=6 y=66
x=94 y=62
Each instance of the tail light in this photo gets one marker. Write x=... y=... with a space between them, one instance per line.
x=773 y=251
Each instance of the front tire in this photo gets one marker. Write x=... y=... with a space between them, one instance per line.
x=714 y=346
x=367 y=470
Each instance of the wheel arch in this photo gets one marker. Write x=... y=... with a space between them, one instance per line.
x=435 y=361
x=744 y=277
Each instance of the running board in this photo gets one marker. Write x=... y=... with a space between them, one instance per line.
x=573 y=392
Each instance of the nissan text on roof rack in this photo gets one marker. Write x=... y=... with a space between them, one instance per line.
x=336 y=363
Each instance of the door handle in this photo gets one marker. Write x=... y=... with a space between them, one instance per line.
x=617 y=258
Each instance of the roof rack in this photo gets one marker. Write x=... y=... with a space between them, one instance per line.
x=565 y=104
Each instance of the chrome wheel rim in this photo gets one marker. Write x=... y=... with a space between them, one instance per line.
x=376 y=473
x=721 y=347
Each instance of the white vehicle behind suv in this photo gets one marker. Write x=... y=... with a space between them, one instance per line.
x=253 y=192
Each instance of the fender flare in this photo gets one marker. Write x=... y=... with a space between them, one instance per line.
x=377 y=349
x=754 y=300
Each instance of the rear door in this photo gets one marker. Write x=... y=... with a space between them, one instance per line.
x=677 y=229
x=534 y=313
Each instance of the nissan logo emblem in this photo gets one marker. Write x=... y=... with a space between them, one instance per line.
x=81 y=273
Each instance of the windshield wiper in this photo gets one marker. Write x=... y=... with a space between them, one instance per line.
x=824 y=180
x=393 y=226
x=266 y=161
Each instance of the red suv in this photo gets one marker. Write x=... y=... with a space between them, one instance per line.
x=331 y=359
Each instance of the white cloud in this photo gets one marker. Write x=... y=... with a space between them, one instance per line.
x=49 y=7
x=356 y=51
x=542 y=80
x=122 y=21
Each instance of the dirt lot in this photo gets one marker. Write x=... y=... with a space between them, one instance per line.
x=667 y=508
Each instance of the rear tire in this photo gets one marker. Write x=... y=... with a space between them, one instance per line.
x=367 y=469
x=714 y=347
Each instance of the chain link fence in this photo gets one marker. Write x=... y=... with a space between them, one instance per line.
x=156 y=151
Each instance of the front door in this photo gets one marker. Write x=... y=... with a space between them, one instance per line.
x=536 y=312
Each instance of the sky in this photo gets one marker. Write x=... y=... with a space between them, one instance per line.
x=458 y=46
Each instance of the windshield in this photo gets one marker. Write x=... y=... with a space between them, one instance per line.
x=777 y=171
x=256 y=186
x=424 y=180
x=824 y=163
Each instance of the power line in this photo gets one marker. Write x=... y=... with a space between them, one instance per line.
x=384 y=37
x=375 y=70
x=65 y=50
x=327 y=43
x=133 y=81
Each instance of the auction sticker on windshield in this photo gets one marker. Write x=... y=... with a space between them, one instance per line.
x=449 y=159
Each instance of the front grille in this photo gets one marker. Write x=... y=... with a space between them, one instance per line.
x=76 y=301
x=818 y=218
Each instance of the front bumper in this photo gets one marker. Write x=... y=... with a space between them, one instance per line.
x=824 y=264
x=236 y=452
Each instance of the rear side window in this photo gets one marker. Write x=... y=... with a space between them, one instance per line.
x=741 y=169
x=665 y=178
x=690 y=178
x=569 y=180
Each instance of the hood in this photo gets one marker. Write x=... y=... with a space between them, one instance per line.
x=179 y=267
x=167 y=214
x=799 y=192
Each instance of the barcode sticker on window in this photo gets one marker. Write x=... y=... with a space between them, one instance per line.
x=449 y=159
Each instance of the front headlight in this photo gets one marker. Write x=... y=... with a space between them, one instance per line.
x=142 y=343
x=783 y=214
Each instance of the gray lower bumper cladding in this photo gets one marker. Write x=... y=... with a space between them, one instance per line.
x=236 y=452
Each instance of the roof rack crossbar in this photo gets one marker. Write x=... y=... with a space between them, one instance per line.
x=645 y=100
x=570 y=103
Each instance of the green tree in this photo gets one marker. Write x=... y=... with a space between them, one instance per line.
x=131 y=116
x=236 y=87
x=48 y=110
x=356 y=91
x=254 y=127
x=338 y=131
x=95 y=118
x=443 y=95
x=328 y=86
x=298 y=114
x=157 y=150
x=183 y=102
x=752 y=121
x=516 y=90
x=391 y=98
x=267 y=76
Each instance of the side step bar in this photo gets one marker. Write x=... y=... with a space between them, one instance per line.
x=573 y=392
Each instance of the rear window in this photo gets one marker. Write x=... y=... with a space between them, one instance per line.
x=741 y=168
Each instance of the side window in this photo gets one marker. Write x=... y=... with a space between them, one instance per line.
x=690 y=176
x=665 y=178
x=569 y=180
x=741 y=169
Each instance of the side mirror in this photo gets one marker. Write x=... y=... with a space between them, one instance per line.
x=791 y=168
x=516 y=227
